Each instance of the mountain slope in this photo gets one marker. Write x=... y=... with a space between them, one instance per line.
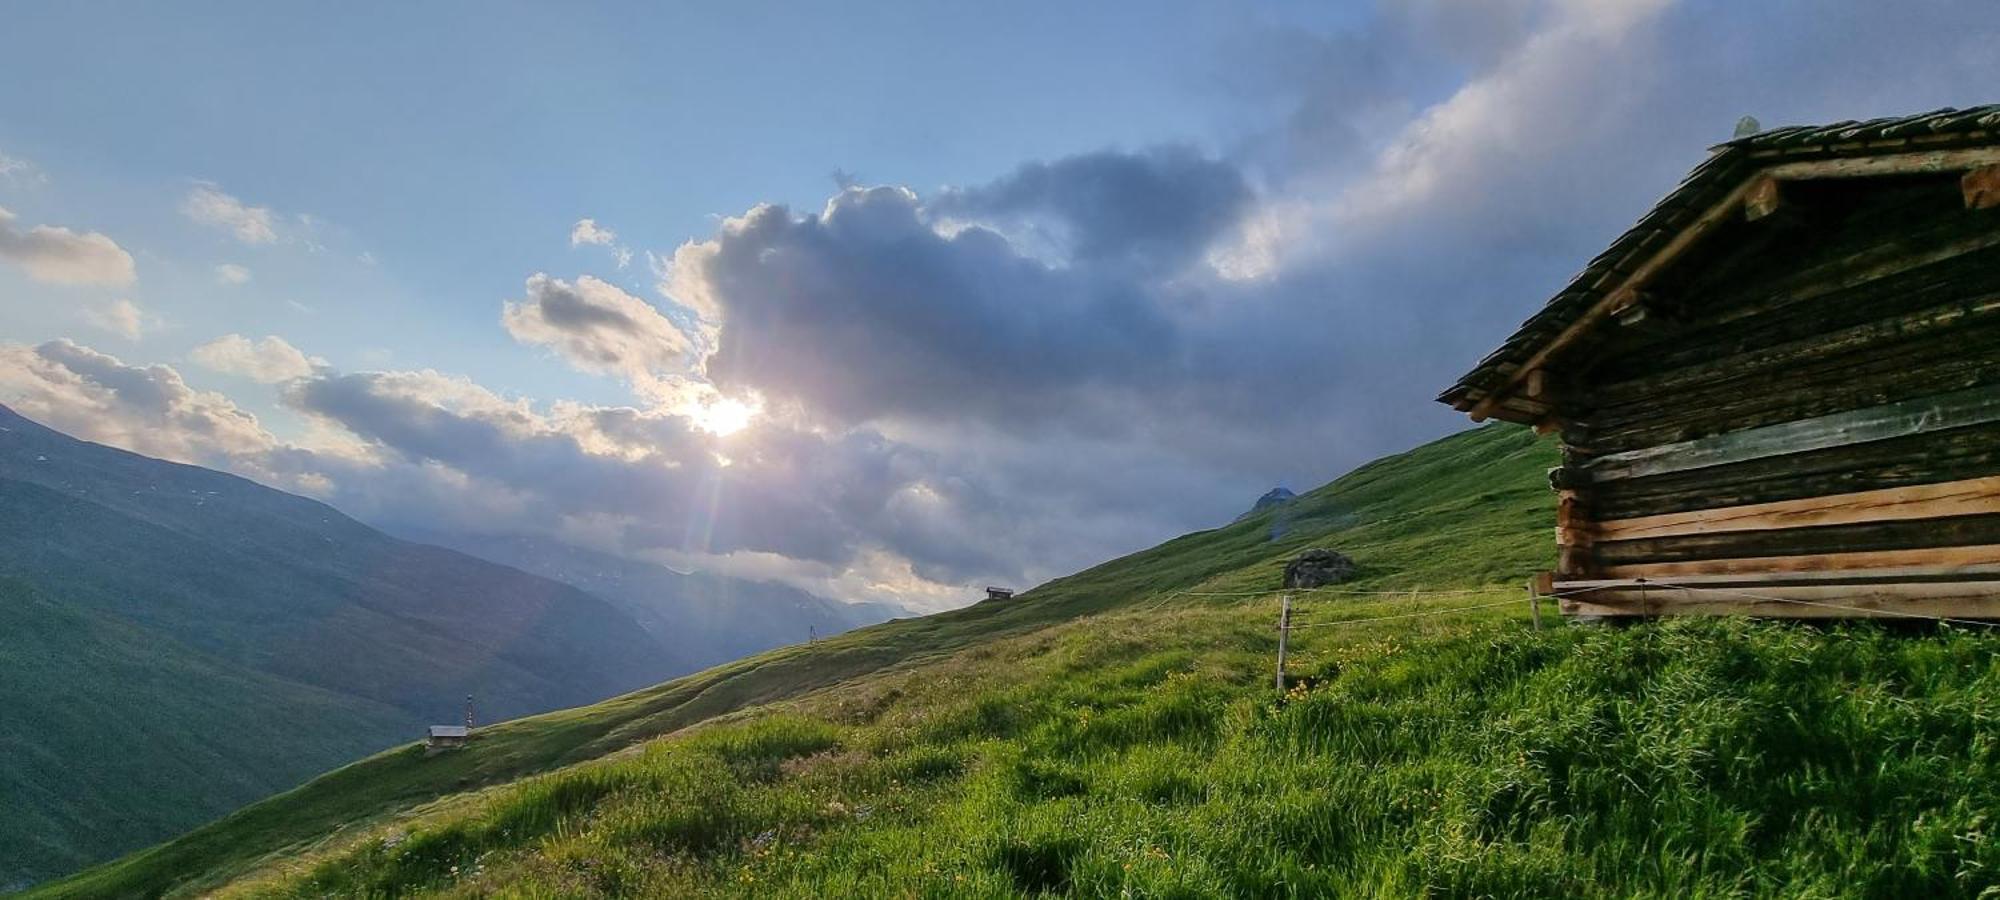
x=185 y=641
x=1465 y=510
x=96 y=750
x=1116 y=733
x=701 y=619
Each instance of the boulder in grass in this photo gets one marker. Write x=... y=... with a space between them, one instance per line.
x=1317 y=567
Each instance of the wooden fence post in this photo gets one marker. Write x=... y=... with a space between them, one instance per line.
x=1284 y=636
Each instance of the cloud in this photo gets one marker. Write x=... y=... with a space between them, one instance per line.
x=120 y=317
x=231 y=273
x=868 y=309
x=598 y=328
x=148 y=409
x=60 y=256
x=15 y=170
x=268 y=360
x=207 y=204
x=587 y=231
x=1154 y=207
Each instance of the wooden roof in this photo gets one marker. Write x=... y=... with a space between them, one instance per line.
x=1938 y=141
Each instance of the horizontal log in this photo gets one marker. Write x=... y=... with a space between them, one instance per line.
x=1976 y=496
x=1891 y=574
x=1954 y=455
x=1918 y=416
x=1745 y=302
x=1904 y=331
x=1960 y=600
x=1956 y=531
x=1922 y=163
x=1928 y=557
x=1917 y=369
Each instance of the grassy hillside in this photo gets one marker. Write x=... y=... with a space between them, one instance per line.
x=176 y=642
x=1115 y=732
x=135 y=736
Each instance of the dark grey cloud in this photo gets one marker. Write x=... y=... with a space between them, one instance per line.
x=865 y=310
x=1158 y=207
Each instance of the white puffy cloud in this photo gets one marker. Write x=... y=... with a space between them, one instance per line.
x=231 y=273
x=599 y=328
x=207 y=204
x=60 y=256
x=587 y=231
x=269 y=360
x=148 y=409
x=120 y=317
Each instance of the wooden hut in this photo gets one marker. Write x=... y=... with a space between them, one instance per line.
x=1779 y=393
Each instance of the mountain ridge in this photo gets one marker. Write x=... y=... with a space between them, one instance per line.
x=241 y=617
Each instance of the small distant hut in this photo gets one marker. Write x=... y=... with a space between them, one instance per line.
x=1779 y=393
x=445 y=737
x=999 y=593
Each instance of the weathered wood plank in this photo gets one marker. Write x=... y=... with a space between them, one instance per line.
x=1919 y=416
x=1762 y=200
x=1976 y=496
x=1955 y=455
x=1914 y=370
x=1845 y=270
x=1891 y=574
x=1958 y=600
x=1735 y=368
x=1934 y=161
x=1981 y=188
x=1954 y=531
x=1932 y=557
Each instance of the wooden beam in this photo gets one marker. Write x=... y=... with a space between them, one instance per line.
x=1921 y=415
x=1958 y=600
x=1970 y=497
x=1537 y=383
x=1891 y=574
x=1933 y=557
x=1931 y=162
x=1762 y=200
x=1721 y=211
x=1981 y=187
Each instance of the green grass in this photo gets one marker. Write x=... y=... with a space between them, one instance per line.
x=1146 y=756
x=1106 y=735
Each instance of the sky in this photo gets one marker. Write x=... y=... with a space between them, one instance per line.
x=888 y=301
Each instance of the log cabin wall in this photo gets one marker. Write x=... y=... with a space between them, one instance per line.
x=1818 y=391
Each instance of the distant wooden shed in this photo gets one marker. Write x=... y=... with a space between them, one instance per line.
x=1779 y=393
x=445 y=736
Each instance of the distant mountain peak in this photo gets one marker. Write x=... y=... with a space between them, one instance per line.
x=1273 y=497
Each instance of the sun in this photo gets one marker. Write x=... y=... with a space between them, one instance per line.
x=724 y=417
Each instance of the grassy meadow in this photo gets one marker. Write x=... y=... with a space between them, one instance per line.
x=1116 y=733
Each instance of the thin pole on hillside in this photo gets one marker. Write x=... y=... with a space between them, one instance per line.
x=1284 y=634
x=1535 y=602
